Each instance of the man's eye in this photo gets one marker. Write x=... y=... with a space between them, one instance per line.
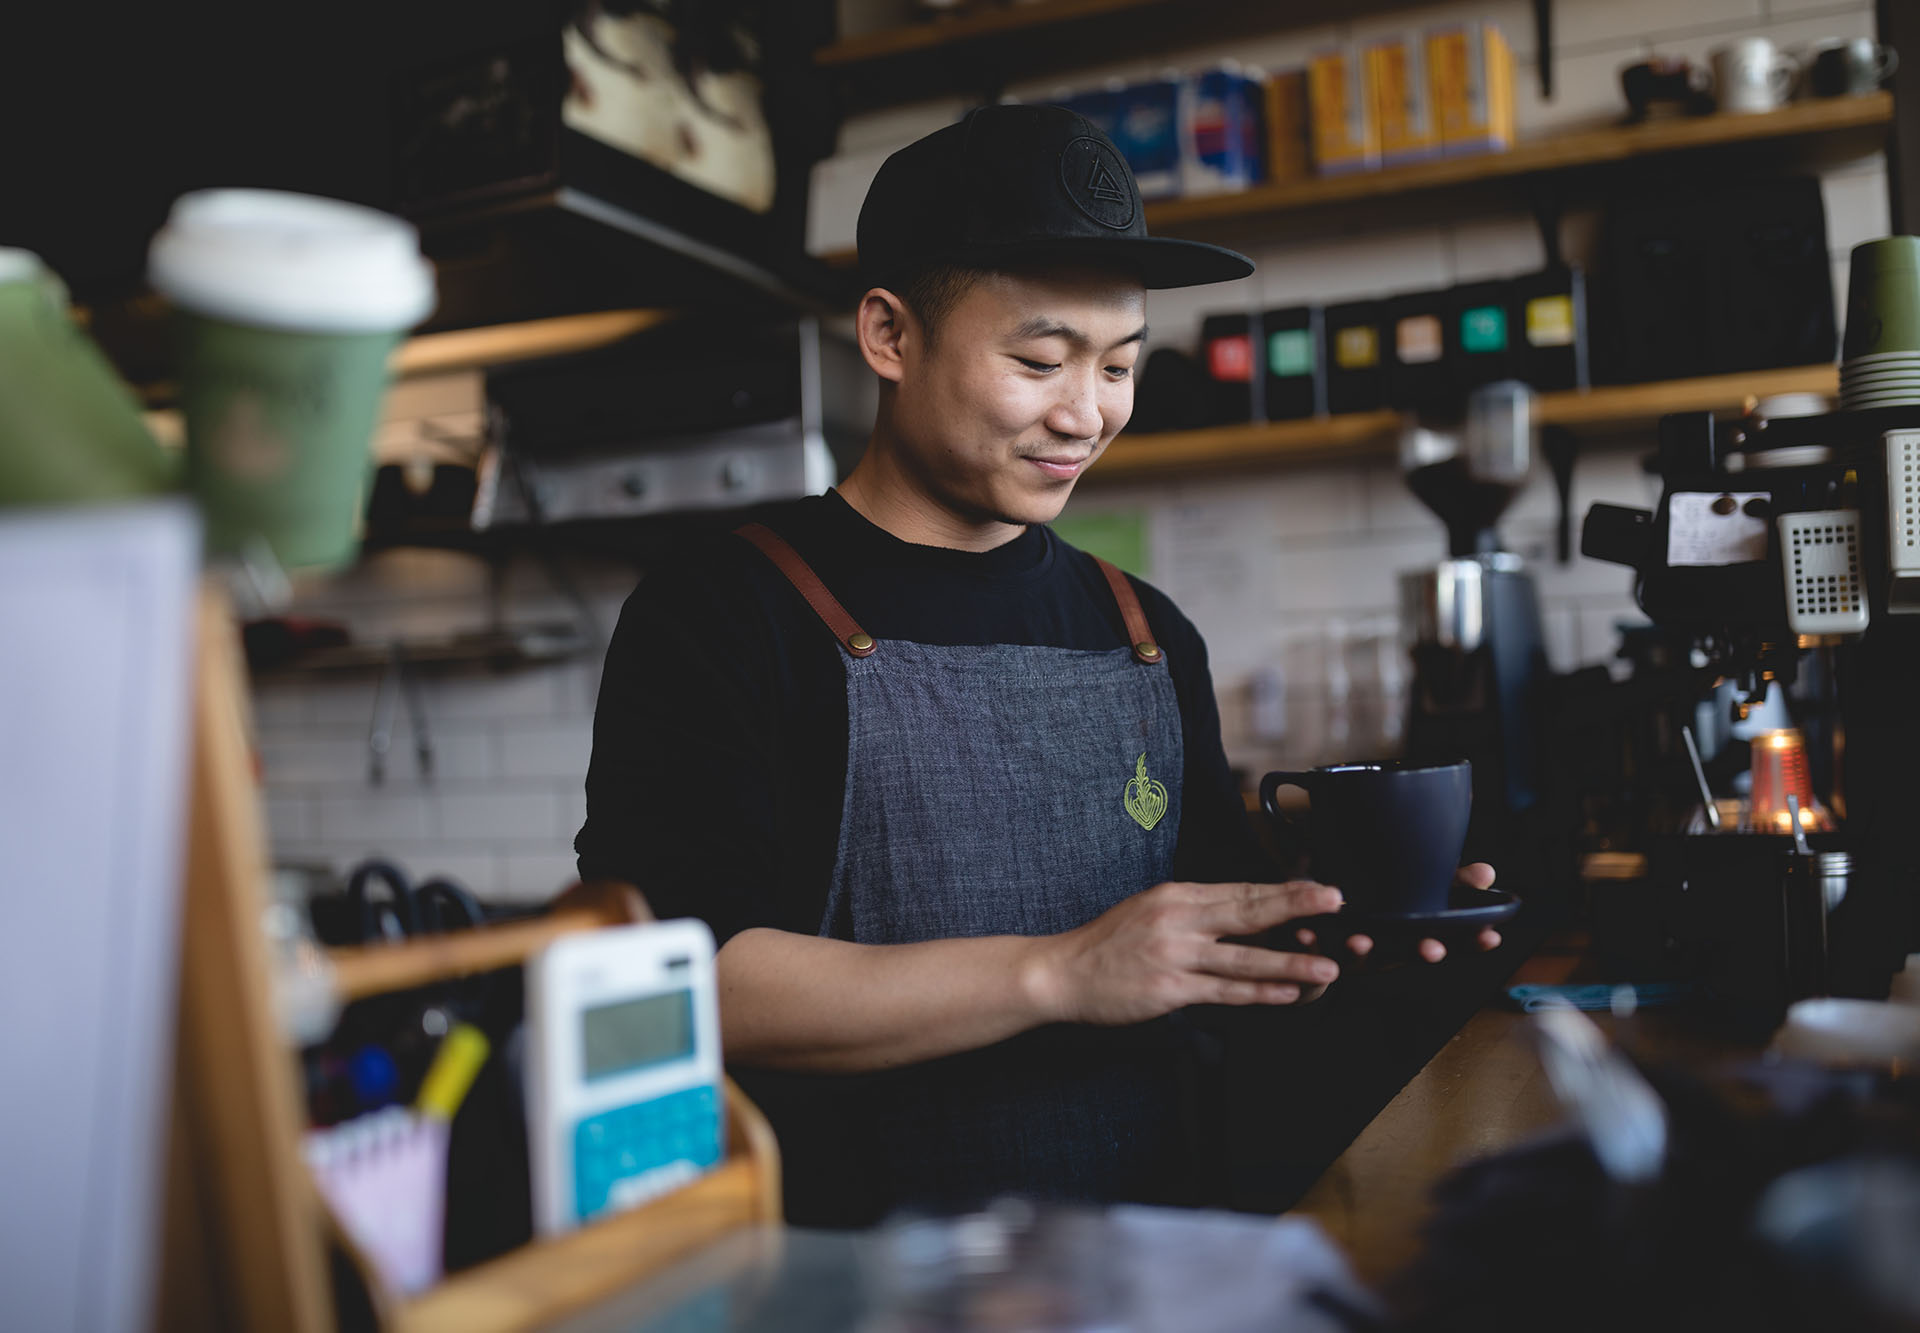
x=1042 y=366
x=1120 y=372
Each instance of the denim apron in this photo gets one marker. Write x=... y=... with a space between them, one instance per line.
x=1000 y=789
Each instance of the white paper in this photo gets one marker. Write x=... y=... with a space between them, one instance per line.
x=1188 y=1271
x=96 y=637
x=1696 y=535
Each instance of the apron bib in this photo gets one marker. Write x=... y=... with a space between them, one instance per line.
x=999 y=789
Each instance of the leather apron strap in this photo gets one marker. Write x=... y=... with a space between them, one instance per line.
x=1139 y=633
x=799 y=573
x=859 y=643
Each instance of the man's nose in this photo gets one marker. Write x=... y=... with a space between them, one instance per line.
x=1076 y=413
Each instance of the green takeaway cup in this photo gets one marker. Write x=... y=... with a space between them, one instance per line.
x=287 y=309
x=1883 y=298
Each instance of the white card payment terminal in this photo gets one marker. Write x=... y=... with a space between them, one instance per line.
x=623 y=1074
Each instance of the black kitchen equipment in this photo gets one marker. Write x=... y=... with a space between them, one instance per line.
x=415 y=503
x=1472 y=621
x=662 y=422
x=1778 y=307
x=1547 y=323
x=381 y=902
x=1702 y=282
x=1230 y=354
x=1419 y=347
x=1745 y=915
x=1654 y=309
x=1482 y=336
x=1727 y=569
x=1355 y=353
x=1293 y=355
x=1172 y=394
x=536 y=196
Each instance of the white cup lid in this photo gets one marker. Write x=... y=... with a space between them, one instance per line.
x=294 y=261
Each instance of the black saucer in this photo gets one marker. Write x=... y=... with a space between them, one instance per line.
x=1468 y=912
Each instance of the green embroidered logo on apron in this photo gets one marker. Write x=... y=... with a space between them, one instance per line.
x=1146 y=798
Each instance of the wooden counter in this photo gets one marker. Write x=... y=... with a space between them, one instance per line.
x=1483 y=1092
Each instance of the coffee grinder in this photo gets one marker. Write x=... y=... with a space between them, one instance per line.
x=1472 y=622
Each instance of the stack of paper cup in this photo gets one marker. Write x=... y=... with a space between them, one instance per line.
x=288 y=307
x=1880 y=358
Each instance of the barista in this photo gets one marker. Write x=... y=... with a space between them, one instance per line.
x=950 y=792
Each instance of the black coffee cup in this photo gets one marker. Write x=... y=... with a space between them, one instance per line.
x=1388 y=836
x=1850 y=68
x=1654 y=82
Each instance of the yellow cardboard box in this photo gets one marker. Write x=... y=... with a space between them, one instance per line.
x=1289 y=157
x=1402 y=102
x=1470 y=70
x=1346 y=135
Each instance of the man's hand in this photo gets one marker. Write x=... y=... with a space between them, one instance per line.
x=1163 y=950
x=1479 y=875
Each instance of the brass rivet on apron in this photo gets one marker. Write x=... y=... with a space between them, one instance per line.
x=860 y=643
x=1147 y=650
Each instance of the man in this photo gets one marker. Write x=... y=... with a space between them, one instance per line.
x=950 y=792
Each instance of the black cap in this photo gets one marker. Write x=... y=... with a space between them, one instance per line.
x=1021 y=183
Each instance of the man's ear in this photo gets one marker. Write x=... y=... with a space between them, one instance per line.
x=884 y=326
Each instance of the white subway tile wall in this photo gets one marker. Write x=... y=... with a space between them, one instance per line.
x=502 y=797
x=1290 y=575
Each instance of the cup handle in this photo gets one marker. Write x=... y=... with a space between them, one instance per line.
x=1271 y=784
x=1888 y=65
x=1781 y=76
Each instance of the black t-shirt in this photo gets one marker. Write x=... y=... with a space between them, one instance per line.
x=720 y=740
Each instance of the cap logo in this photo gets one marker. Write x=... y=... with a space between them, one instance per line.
x=1096 y=180
x=1102 y=185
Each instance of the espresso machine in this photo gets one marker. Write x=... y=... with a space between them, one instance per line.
x=1472 y=621
x=1780 y=571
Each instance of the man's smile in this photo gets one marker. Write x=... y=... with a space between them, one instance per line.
x=1064 y=466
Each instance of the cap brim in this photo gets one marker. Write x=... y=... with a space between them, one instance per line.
x=1158 y=261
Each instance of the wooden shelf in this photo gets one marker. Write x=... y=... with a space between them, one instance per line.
x=978 y=54
x=497 y=344
x=1371 y=434
x=1558 y=153
x=1256 y=444
x=1629 y=405
x=984 y=23
x=473 y=349
x=375 y=969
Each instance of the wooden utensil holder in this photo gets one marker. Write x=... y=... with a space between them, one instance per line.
x=553 y=1276
x=247 y=1230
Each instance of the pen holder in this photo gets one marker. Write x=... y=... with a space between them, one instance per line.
x=550 y=1277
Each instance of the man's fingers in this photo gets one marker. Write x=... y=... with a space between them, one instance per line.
x=1478 y=875
x=1489 y=938
x=1432 y=950
x=1222 y=991
x=1241 y=962
x=1359 y=945
x=1248 y=909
